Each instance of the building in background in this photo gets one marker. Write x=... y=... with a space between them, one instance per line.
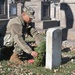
x=3 y=9
x=10 y=8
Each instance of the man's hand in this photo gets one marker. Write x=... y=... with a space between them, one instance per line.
x=31 y=61
x=34 y=54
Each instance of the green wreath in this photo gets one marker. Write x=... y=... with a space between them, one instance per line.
x=41 y=49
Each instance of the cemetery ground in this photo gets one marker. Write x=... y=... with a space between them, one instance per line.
x=67 y=66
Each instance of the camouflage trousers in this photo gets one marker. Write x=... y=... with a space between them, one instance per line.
x=9 y=42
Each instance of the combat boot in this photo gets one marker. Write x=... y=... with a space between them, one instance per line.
x=15 y=59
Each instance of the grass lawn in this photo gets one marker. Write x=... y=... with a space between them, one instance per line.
x=66 y=68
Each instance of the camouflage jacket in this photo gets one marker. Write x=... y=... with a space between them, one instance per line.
x=18 y=28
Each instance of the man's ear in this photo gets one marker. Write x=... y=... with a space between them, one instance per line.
x=23 y=13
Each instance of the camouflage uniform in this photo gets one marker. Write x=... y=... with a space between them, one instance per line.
x=15 y=35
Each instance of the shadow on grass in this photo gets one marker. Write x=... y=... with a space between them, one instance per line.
x=5 y=53
x=66 y=50
x=67 y=58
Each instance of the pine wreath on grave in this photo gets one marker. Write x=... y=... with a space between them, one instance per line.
x=41 y=49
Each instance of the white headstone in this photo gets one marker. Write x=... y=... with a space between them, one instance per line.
x=53 y=47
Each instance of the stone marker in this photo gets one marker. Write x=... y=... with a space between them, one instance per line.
x=53 y=47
